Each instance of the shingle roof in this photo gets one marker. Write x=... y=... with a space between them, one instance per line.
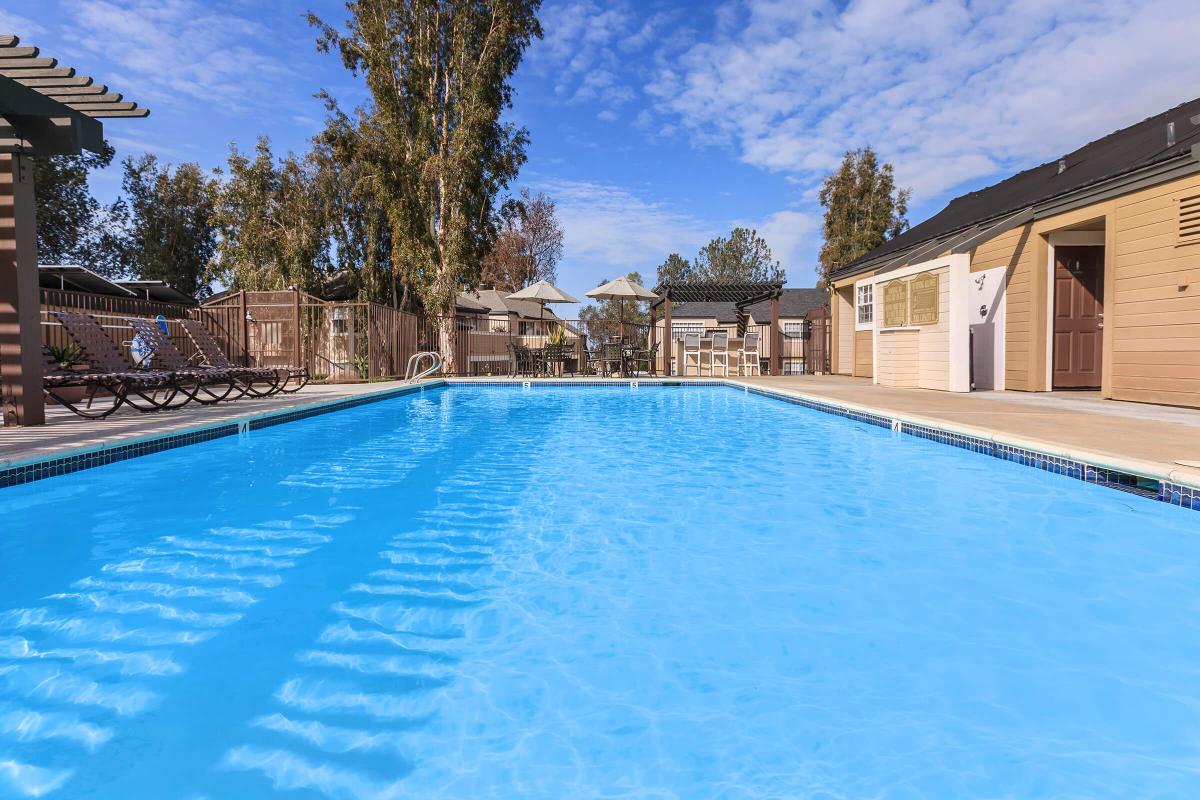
x=1122 y=151
x=793 y=304
x=497 y=301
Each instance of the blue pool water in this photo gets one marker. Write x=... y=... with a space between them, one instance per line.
x=586 y=593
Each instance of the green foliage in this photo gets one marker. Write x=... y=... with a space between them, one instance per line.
x=676 y=269
x=744 y=257
x=272 y=223
x=65 y=356
x=72 y=226
x=863 y=209
x=558 y=335
x=169 y=229
x=439 y=75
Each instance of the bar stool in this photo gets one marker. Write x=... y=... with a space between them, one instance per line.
x=691 y=352
x=749 y=355
x=719 y=355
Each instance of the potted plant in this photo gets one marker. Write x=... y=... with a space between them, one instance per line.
x=68 y=358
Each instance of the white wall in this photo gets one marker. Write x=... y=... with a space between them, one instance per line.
x=986 y=311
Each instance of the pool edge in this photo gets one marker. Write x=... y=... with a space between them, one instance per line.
x=36 y=468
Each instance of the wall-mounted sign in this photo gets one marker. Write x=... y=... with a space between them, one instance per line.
x=924 y=299
x=895 y=304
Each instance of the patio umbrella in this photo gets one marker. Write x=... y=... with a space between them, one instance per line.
x=620 y=290
x=543 y=292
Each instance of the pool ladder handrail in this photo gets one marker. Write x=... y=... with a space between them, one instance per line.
x=412 y=371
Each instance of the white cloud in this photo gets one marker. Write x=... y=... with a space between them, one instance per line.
x=180 y=52
x=23 y=27
x=589 y=47
x=793 y=237
x=609 y=225
x=950 y=91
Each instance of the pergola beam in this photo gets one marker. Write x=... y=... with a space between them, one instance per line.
x=44 y=110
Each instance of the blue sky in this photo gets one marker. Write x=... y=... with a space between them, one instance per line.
x=659 y=125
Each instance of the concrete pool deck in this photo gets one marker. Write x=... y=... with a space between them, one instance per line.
x=1155 y=441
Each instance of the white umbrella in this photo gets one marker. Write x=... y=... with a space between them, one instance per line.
x=543 y=292
x=621 y=289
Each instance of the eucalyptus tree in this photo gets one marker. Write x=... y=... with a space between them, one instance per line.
x=439 y=75
x=168 y=223
x=272 y=224
x=863 y=209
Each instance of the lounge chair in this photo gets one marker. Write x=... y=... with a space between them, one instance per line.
x=214 y=356
x=163 y=351
x=55 y=379
x=136 y=388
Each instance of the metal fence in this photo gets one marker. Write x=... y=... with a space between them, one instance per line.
x=352 y=341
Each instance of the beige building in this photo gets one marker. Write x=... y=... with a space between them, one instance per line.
x=1078 y=274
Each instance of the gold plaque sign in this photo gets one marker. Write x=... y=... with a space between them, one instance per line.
x=923 y=291
x=895 y=304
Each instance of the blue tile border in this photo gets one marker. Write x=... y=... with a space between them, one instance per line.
x=1151 y=488
x=1142 y=486
x=110 y=454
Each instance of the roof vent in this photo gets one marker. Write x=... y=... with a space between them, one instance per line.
x=1062 y=166
x=1196 y=120
x=1170 y=134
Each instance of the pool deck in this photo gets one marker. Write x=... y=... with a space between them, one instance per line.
x=1155 y=441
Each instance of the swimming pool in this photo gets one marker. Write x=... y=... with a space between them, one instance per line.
x=479 y=592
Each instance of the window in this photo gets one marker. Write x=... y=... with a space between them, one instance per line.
x=866 y=304
x=526 y=328
x=793 y=330
x=678 y=329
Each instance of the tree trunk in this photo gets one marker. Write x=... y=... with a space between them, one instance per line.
x=448 y=343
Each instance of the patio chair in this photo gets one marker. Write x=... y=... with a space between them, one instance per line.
x=276 y=378
x=612 y=353
x=136 y=388
x=647 y=357
x=749 y=355
x=523 y=361
x=166 y=354
x=691 y=352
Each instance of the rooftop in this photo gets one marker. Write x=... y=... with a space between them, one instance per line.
x=1138 y=146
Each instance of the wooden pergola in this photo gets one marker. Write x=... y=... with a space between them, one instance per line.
x=45 y=110
x=740 y=294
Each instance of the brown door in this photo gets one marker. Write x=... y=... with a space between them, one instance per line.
x=1078 y=317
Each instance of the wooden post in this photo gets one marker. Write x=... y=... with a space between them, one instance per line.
x=21 y=401
x=244 y=329
x=652 y=341
x=776 y=336
x=668 y=339
x=296 y=329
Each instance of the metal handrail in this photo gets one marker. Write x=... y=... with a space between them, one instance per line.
x=411 y=373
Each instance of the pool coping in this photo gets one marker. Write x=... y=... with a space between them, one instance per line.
x=1148 y=479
